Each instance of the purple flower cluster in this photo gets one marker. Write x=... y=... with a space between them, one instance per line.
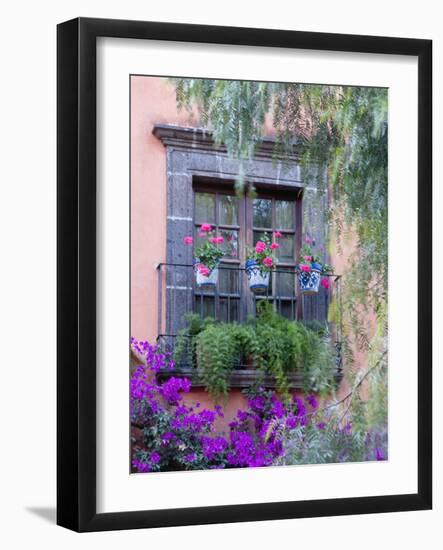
x=172 y=389
x=153 y=357
x=177 y=435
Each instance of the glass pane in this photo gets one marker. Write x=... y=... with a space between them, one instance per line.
x=230 y=244
x=285 y=283
x=205 y=306
x=287 y=309
x=228 y=210
x=284 y=214
x=262 y=212
x=229 y=279
x=228 y=310
x=286 y=251
x=205 y=208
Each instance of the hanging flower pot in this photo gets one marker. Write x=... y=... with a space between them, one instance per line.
x=309 y=280
x=208 y=255
x=310 y=271
x=258 y=278
x=205 y=276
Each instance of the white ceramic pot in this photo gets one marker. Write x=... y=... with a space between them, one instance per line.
x=206 y=280
x=258 y=280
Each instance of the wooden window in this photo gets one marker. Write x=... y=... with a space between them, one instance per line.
x=242 y=221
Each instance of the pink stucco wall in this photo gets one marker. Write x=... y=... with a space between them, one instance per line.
x=152 y=101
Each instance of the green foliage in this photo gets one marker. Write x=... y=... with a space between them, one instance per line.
x=218 y=348
x=342 y=135
x=270 y=343
x=343 y=129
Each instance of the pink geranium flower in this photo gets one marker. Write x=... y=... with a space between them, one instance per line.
x=205 y=227
x=216 y=240
x=268 y=262
x=277 y=234
x=260 y=247
x=308 y=240
x=307 y=258
x=305 y=267
x=325 y=283
x=274 y=246
x=188 y=240
x=203 y=270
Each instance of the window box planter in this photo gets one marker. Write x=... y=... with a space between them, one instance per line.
x=239 y=379
x=258 y=279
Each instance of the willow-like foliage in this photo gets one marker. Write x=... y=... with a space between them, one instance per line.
x=339 y=130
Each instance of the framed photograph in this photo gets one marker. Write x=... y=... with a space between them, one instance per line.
x=244 y=274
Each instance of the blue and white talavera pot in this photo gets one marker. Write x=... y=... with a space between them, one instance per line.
x=205 y=280
x=258 y=279
x=309 y=281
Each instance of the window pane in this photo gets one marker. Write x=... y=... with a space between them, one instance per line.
x=262 y=212
x=287 y=308
x=230 y=244
x=228 y=311
x=229 y=279
x=205 y=208
x=285 y=283
x=228 y=210
x=284 y=214
x=205 y=306
x=286 y=251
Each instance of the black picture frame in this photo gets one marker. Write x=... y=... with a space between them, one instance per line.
x=76 y=279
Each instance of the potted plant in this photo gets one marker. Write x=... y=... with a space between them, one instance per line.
x=207 y=255
x=260 y=260
x=312 y=272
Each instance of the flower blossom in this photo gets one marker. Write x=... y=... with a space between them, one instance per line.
x=216 y=240
x=188 y=240
x=277 y=234
x=268 y=262
x=379 y=454
x=305 y=267
x=312 y=401
x=205 y=227
x=260 y=247
x=191 y=457
x=307 y=258
x=274 y=246
x=203 y=270
x=325 y=283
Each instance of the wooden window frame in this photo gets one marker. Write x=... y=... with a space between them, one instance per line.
x=246 y=230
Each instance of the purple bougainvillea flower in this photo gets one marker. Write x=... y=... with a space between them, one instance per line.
x=321 y=425
x=154 y=458
x=379 y=454
x=312 y=401
x=191 y=457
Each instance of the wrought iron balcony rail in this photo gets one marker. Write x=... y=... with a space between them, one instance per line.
x=231 y=300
